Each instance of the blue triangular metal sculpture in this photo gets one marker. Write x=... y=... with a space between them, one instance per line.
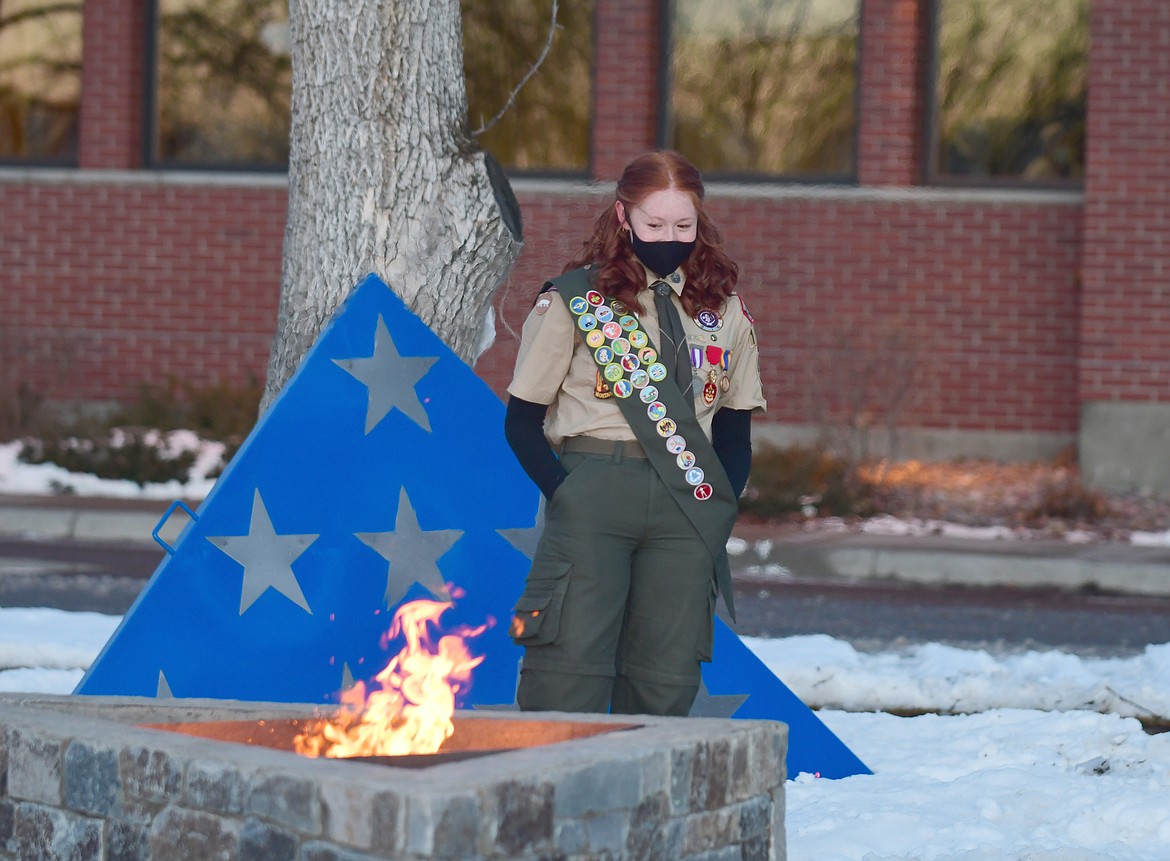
x=379 y=475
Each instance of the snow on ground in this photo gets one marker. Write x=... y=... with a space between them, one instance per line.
x=1033 y=772
x=1030 y=756
x=42 y=479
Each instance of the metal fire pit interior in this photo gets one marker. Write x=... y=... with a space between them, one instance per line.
x=96 y=777
x=473 y=736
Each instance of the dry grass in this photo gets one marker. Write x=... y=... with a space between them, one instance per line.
x=1048 y=498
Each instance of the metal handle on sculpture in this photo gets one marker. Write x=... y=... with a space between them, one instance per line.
x=178 y=503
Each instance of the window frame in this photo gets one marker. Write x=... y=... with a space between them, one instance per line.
x=39 y=162
x=665 y=88
x=562 y=174
x=931 y=132
x=150 y=118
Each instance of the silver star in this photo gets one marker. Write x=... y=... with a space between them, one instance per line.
x=412 y=553
x=390 y=378
x=723 y=706
x=267 y=558
x=163 y=692
x=526 y=538
x=505 y=707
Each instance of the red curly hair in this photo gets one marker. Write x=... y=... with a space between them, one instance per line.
x=617 y=273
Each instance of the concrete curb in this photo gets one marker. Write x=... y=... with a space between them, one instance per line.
x=934 y=560
x=769 y=555
x=87 y=519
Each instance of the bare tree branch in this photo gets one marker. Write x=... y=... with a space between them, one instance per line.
x=38 y=12
x=552 y=29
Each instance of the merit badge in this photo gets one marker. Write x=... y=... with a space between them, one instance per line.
x=578 y=305
x=595 y=338
x=709 y=321
x=594 y=298
x=667 y=427
x=676 y=444
x=657 y=372
x=694 y=475
x=622 y=388
x=542 y=305
x=604 y=314
x=601 y=388
x=648 y=355
x=649 y=395
x=640 y=378
x=704 y=491
x=611 y=329
x=629 y=362
x=685 y=459
x=621 y=346
x=628 y=322
x=613 y=372
x=603 y=355
x=587 y=322
x=619 y=307
x=639 y=338
x=656 y=411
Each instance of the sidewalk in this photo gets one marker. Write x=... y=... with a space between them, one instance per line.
x=758 y=553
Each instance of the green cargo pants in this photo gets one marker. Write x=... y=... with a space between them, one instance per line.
x=617 y=613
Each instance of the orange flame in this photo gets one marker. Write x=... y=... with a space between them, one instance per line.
x=412 y=711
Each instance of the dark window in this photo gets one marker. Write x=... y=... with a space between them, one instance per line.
x=763 y=87
x=222 y=83
x=1009 y=94
x=547 y=129
x=40 y=80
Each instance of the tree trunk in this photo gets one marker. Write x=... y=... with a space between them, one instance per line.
x=384 y=178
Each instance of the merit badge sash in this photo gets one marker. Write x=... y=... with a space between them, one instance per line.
x=658 y=415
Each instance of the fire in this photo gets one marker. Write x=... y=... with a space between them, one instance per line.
x=412 y=711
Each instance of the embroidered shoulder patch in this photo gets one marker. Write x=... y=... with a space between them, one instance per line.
x=743 y=307
x=543 y=300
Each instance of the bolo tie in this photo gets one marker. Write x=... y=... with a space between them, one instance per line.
x=673 y=342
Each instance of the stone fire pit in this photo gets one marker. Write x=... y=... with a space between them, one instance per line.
x=83 y=777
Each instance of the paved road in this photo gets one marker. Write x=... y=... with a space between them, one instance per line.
x=106 y=577
x=879 y=614
x=69 y=575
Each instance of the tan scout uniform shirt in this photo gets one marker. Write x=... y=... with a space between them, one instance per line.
x=554 y=366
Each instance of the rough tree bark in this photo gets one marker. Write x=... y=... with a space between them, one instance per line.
x=384 y=178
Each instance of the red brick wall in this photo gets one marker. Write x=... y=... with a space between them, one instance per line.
x=895 y=40
x=984 y=291
x=112 y=74
x=145 y=279
x=139 y=282
x=625 y=79
x=1125 y=329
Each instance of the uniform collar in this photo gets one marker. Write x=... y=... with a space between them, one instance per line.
x=677 y=279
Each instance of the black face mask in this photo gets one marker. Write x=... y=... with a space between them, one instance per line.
x=661 y=258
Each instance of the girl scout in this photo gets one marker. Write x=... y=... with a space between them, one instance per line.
x=630 y=408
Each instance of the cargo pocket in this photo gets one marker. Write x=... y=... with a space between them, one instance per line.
x=537 y=615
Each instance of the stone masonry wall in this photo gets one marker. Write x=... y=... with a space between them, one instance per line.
x=76 y=786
